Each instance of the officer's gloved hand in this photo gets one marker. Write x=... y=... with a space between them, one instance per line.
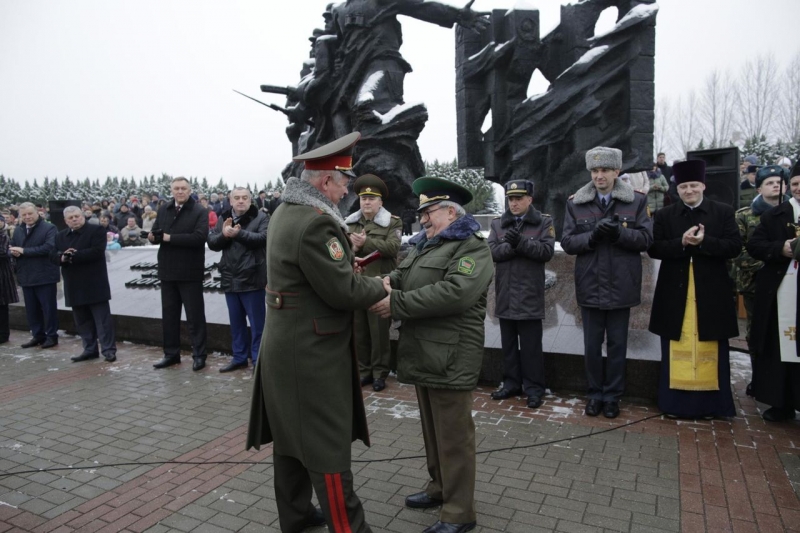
x=512 y=236
x=611 y=229
x=597 y=235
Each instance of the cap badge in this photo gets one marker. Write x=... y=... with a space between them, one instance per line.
x=368 y=189
x=513 y=185
x=423 y=199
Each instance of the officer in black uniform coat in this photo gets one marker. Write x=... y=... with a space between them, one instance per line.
x=774 y=241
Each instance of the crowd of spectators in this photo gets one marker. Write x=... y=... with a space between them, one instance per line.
x=126 y=219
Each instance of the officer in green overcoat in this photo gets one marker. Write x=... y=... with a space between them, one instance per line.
x=306 y=394
x=373 y=229
x=439 y=294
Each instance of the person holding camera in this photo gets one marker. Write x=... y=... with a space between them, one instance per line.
x=181 y=229
x=80 y=251
x=606 y=225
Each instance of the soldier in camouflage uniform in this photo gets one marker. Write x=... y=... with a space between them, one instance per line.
x=770 y=184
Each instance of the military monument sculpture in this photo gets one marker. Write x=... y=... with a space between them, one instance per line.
x=601 y=94
x=354 y=82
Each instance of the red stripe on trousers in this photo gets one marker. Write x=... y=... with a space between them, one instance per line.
x=342 y=509
x=335 y=519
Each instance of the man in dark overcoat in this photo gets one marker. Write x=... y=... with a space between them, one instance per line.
x=694 y=238
x=522 y=241
x=81 y=253
x=180 y=230
x=607 y=226
x=306 y=394
x=31 y=245
x=775 y=241
x=241 y=236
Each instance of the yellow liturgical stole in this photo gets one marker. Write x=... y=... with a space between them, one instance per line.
x=692 y=362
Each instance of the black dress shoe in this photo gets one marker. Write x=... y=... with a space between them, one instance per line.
x=534 y=402
x=611 y=410
x=110 y=358
x=421 y=500
x=505 y=394
x=778 y=414
x=446 y=527
x=84 y=357
x=33 y=342
x=315 y=519
x=50 y=342
x=366 y=381
x=198 y=363
x=167 y=361
x=379 y=385
x=233 y=366
x=594 y=407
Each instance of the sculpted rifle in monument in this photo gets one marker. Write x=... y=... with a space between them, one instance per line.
x=357 y=84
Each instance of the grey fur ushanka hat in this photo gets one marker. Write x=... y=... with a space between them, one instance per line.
x=603 y=157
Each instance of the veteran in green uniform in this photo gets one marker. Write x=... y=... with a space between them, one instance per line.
x=306 y=396
x=439 y=293
x=372 y=228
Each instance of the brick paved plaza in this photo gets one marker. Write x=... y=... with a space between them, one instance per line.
x=659 y=475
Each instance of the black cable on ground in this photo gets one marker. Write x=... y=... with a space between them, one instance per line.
x=387 y=460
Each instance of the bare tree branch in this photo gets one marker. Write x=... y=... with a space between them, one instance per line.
x=685 y=127
x=663 y=121
x=788 y=115
x=717 y=100
x=758 y=92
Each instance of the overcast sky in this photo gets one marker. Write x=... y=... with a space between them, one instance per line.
x=92 y=88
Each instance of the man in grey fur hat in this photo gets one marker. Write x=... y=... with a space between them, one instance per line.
x=607 y=226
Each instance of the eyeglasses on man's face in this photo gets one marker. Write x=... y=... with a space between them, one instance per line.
x=428 y=212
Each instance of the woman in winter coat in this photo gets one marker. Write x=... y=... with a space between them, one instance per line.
x=148 y=218
x=658 y=189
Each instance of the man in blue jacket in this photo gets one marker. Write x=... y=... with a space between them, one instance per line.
x=31 y=245
x=607 y=227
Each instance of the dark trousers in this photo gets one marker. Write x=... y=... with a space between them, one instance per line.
x=449 y=435
x=5 y=331
x=94 y=323
x=372 y=344
x=613 y=325
x=42 y=310
x=523 y=362
x=241 y=307
x=189 y=295
x=337 y=499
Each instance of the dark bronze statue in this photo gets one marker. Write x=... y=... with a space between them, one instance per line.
x=601 y=94
x=356 y=84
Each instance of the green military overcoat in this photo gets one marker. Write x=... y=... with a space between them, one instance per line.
x=441 y=299
x=306 y=395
